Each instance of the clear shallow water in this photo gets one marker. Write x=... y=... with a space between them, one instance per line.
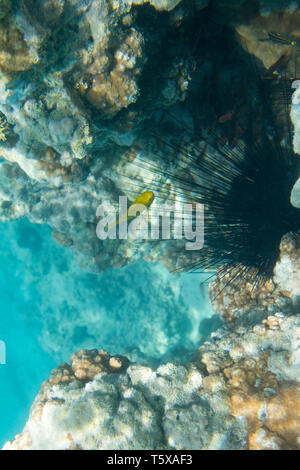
x=27 y=365
x=50 y=308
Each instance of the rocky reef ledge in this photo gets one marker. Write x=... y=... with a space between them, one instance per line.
x=240 y=391
x=84 y=83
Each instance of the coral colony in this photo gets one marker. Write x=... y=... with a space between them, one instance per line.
x=157 y=138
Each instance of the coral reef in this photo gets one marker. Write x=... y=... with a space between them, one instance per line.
x=83 y=84
x=143 y=408
x=241 y=391
x=235 y=295
x=260 y=367
x=70 y=132
x=86 y=93
x=19 y=41
x=113 y=91
x=86 y=364
x=287 y=270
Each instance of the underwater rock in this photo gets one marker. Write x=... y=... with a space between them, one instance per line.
x=117 y=89
x=62 y=238
x=260 y=366
x=19 y=42
x=49 y=10
x=234 y=297
x=86 y=364
x=295 y=196
x=142 y=408
x=99 y=402
x=272 y=53
x=166 y=5
x=295 y=116
x=287 y=269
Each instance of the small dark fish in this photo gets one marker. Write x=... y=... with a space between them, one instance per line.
x=225 y=117
x=284 y=39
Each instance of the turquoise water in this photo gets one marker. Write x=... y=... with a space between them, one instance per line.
x=27 y=364
x=50 y=308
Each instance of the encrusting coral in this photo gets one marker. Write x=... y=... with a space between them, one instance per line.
x=259 y=389
x=18 y=41
x=86 y=364
x=113 y=90
x=233 y=297
x=240 y=391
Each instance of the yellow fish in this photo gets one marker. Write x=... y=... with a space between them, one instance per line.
x=145 y=199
